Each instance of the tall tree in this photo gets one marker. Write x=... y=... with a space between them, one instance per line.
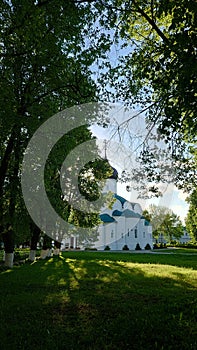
x=44 y=68
x=191 y=219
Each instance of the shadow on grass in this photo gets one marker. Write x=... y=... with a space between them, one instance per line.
x=70 y=302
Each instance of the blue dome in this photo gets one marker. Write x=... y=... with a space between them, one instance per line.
x=115 y=172
x=114 y=175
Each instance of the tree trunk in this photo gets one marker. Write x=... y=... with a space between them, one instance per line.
x=46 y=247
x=6 y=158
x=57 y=246
x=9 y=259
x=34 y=241
x=8 y=240
x=32 y=255
x=44 y=253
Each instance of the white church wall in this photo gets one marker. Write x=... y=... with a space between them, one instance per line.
x=110 y=186
x=117 y=206
x=138 y=208
x=106 y=211
x=125 y=231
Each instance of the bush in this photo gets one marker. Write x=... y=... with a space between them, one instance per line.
x=107 y=247
x=125 y=247
x=138 y=247
x=159 y=245
x=190 y=244
x=147 y=247
x=17 y=256
x=94 y=249
x=21 y=254
x=155 y=246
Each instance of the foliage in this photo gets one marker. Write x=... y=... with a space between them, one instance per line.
x=44 y=68
x=159 y=246
x=164 y=222
x=155 y=71
x=191 y=219
x=147 y=247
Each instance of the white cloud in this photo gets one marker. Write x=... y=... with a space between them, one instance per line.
x=180 y=210
x=182 y=195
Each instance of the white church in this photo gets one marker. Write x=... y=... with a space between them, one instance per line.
x=122 y=226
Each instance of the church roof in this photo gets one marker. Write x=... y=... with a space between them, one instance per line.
x=130 y=214
x=116 y=213
x=106 y=218
x=126 y=213
x=147 y=223
x=121 y=199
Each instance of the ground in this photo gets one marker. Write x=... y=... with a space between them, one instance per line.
x=101 y=300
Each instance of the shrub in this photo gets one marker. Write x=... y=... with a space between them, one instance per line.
x=147 y=247
x=17 y=256
x=138 y=247
x=125 y=247
x=155 y=246
x=107 y=247
x=89 y=248
x=159 y=245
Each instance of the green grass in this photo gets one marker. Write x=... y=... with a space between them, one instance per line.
x=100 y=300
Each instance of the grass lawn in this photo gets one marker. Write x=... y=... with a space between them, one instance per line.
x=101 y=300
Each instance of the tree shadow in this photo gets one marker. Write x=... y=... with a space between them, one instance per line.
x=90 y=303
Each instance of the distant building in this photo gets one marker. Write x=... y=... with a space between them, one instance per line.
x=183 y=239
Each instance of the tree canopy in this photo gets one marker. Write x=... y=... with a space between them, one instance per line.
x=49 y=50
x=191 y=219
x=44 y=68
x=164 y=222
x=155 y=71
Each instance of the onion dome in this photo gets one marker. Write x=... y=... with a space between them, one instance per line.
x=114 y=175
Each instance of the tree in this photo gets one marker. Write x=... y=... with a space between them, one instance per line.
x=156 y=72
x=164 y=222
x=191 y=219
x=44 y=68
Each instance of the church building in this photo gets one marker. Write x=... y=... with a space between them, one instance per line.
x=123 y=226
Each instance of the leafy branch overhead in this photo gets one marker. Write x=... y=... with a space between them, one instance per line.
x=155 y=70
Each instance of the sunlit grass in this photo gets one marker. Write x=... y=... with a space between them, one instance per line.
x=96 y=300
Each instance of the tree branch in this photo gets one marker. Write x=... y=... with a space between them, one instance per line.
x=152 y=23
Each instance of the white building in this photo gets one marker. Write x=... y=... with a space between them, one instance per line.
x=123 y=225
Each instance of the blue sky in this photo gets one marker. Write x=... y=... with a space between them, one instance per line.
x=121 y=155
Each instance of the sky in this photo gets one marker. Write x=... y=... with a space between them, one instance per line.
x=173 y=199
x=122 y=151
